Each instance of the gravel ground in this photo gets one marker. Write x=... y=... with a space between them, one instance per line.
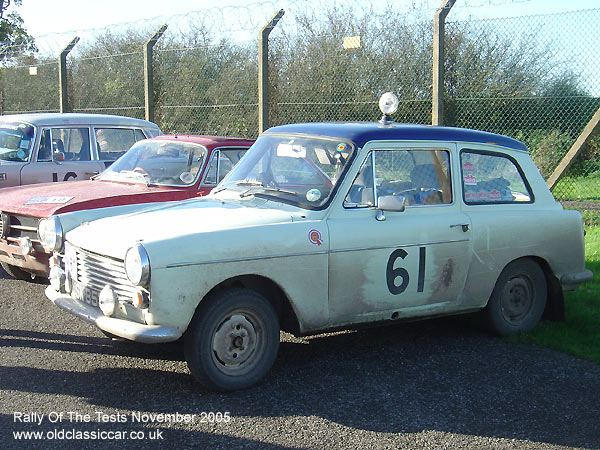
x=435 y=384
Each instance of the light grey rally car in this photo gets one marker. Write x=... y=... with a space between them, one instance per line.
x=45 y=147
x=325 y=226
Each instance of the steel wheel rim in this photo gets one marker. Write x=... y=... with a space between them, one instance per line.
x=237 y=343
x=517 y=299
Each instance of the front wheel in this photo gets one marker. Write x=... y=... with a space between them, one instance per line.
x=518 y=299
x=232 y=340
x=16 y=272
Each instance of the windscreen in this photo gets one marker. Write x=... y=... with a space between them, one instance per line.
x=299 y=170
x=16 y=141
x=158 y=162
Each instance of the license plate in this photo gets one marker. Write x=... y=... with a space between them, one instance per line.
x=84 y=293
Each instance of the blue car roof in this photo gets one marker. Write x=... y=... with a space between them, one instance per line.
x=362 y=132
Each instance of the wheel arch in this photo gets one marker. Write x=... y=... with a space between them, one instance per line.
x=555 y=303
x=268 y=289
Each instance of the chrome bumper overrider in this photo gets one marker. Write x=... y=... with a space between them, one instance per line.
x=133 y=331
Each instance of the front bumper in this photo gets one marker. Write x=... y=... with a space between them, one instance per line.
x=126 y=329
x=36 y=263
x=571 y=281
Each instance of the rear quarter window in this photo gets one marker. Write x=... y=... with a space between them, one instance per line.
x=112 y=143
x=489 y=178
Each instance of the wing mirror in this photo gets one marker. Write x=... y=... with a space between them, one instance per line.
x=390 y=203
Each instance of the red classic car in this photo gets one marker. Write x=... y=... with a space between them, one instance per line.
x=162 y=169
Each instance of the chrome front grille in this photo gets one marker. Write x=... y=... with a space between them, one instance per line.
x=22 y=226
x=92 y=272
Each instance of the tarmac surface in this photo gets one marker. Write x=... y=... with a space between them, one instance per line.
x=436 y=384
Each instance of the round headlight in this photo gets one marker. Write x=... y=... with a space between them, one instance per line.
x=137 y=265
x=388 y=103
x=50 y=233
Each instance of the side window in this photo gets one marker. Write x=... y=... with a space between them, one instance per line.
x=114 y=142
x=492 y=178
x=64 y=144
x=228 y=159
x=153 y=132
x=211 y=172
x=222 y=160
x=139 y=135
x=422 y=177
x=45 y=149
x=361 y=193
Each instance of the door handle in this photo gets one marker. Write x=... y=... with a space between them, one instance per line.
x=465 y=226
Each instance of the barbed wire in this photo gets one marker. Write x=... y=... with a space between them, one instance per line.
x=229 y=19
x=246 y=18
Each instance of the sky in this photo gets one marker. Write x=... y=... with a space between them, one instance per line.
x=44 y=17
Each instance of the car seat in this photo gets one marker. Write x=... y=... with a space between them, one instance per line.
x=425 y=183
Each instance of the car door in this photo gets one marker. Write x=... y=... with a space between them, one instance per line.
x=63 y=154
x=394 y=264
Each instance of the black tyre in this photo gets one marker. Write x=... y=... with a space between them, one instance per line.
x=16 y=272
x=518 y=299
x=232 y=340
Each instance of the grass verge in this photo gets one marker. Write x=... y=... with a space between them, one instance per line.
x=579 y=188
x=579 y=335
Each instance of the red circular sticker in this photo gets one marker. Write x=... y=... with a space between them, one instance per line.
x=314 y=236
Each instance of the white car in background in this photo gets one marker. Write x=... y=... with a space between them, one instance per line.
x=324 y=226
x=45 y=147
x=166 y=168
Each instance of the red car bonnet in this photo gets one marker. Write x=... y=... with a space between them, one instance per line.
x=46 y=199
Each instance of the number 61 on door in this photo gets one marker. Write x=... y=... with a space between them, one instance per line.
x=393 y=274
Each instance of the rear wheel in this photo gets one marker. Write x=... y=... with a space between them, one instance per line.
x=518 y=299
x=17 y=272
x=232 y=340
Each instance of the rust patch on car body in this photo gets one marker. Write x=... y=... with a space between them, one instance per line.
x=445 y=277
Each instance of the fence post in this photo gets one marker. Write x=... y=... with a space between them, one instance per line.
x=2 y=92
x=437 y=95
x=589 y=130
x=62 y=76
x=148 y=78
x=263 y=71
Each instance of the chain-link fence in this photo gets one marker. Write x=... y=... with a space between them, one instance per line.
x=20 y=82
x=336 y=66
x=538 y=81
x=535 y=78
x=208 y=89
x=121 y=92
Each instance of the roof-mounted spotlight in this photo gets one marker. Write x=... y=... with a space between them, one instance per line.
x=388 y=104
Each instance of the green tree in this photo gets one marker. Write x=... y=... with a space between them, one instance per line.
x=14 y=39
x=205 y=84
x=316 y=77
x=107 y=74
